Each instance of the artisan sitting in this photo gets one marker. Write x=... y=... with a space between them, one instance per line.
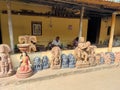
x=56 y=42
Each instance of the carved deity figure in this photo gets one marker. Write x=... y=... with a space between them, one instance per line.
x=25 y=64
x=24 y=70
x=45 y=62
x=65 y=62
x=117 y=57
x=91 y=55
x=81 y=52
x=37 y=64
x=109 y=58
x=56 y=57
x=28 y=40
x=6 y=68
x=72 y=61
x=84 y=53
x=97 y=57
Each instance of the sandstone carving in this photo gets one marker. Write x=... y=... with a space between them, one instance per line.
x=117 y=57
x=31 y=40
x=6 y=68
x=85 y=54
x=56 y=58
x=109 y=58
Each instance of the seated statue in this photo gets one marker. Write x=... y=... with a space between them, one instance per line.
x=72 y=61
x=65 y=62
x=24 y=70
x=6 y=68
x=37 y=64
x=56 y=57
x=45 y=62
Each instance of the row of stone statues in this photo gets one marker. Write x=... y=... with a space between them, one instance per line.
x=84 y=56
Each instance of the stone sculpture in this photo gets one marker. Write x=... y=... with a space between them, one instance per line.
x=65 y=62
x=72 y=61
x=91 y=55
x=97 y=58
x=6 y=68
x=81 y=54
x=109 y=57
x=31 y=40
x=37 y=64
x=45 y=62
x=117 y=57
x=102 y=60
x=56 y=57
x=24 y=70
x=84 y=54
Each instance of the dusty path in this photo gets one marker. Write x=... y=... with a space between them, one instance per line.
x=107 y=79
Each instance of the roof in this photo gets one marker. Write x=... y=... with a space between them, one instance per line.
x=93 y=8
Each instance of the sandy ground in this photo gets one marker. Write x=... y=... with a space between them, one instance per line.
x=107 y=79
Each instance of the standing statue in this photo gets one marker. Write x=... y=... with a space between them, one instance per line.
x=56 y=57
x=92 y=55
x=97 y=57
x=102 y=59
x=6 y=68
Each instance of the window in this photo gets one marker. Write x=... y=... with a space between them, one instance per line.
x=36 y=28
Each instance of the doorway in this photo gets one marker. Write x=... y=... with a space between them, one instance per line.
x=93 y=29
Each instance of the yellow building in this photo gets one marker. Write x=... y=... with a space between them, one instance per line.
x=95 y=29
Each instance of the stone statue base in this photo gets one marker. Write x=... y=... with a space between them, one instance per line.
x=82 y=64
x=56 y=67
x=7 y=75
x=65 y=66
x=24 y=74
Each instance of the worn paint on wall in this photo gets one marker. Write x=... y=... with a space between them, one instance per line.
x=51 y=27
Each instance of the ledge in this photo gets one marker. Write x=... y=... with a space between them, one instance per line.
x=51 y=74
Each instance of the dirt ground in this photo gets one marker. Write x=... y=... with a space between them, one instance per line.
x=107 y=79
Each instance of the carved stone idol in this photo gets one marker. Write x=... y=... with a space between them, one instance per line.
x=65 y=62
x=81 y=54
x=109 y=58
x=72 y=61
x=6 y=68
x=24 y=70
x=97 y=57
x=45 y=62
x=91 y=55
x=117 y=57
x=56 y=58
x=102 y=60
x=37 y=64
